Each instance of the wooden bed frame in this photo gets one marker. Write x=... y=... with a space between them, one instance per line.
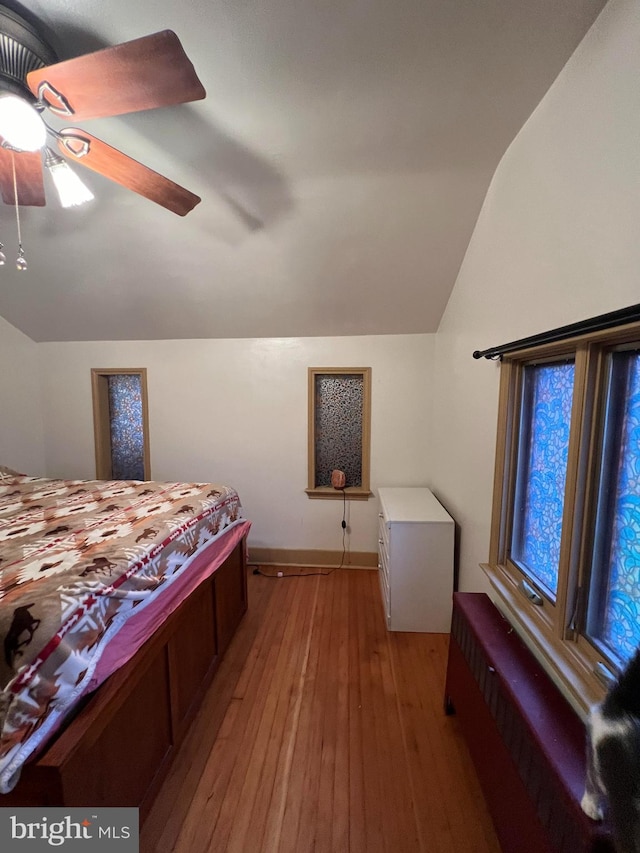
x=118 y=749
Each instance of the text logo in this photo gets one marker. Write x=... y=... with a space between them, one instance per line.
x=76 y=829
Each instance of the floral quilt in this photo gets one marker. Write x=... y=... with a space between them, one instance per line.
x=77 y=559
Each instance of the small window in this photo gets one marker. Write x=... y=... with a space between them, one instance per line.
x=339 y=430
x=121 y=428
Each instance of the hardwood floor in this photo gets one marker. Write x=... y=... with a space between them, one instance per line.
x=323 y=731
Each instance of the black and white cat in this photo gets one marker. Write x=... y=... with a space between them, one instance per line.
x=613 y=759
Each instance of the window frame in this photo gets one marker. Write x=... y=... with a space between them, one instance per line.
x=101 y=420
x=521 y=460
x=363 y=491
x=555 y=631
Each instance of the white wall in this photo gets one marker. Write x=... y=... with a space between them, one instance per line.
x=235 y=411
x=21 y=438
x=557 y=241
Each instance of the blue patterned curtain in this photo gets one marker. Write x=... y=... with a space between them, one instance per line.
x=614 y=614
x=125 y=417
x=542 y=469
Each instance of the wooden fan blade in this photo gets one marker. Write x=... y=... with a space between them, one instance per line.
x=153 y=71
x=83 y=148
x=29 y=181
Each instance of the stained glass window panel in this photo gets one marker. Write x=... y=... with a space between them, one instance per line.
x=339 y=401
x=614 y=611
x=125 y=416
x=542 y=470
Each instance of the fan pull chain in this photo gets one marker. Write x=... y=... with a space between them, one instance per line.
x=21 y=262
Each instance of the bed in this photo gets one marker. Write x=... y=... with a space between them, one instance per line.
x=117 y=602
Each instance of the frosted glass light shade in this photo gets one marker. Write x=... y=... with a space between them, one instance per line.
x=20 y=124
x=71 y=190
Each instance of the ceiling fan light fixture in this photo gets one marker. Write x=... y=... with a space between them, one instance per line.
x=143 y=74
x=72 y=191
x=21 y=126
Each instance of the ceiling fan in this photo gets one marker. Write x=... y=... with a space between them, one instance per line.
x=152 y=71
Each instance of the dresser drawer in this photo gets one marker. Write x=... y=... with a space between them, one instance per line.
x=383 y=536
x=384 y=587
x=383 y=564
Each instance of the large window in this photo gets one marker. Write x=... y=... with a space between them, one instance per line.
x=565 y=544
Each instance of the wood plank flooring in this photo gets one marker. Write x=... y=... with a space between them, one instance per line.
x=322 y=732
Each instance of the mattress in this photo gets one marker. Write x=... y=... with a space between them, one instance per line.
x=80 y=563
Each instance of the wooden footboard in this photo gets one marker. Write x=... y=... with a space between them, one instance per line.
x=117 y=750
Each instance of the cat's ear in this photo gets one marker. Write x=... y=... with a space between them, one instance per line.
x=591 y=804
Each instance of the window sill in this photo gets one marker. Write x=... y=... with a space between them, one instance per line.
x=571 y=670
x=352 y=493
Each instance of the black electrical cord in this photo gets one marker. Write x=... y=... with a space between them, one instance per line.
x=344 y=527
x=258 y=571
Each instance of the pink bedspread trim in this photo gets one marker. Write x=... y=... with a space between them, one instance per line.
x=140 y=627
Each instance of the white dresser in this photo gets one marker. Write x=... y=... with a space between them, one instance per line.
x=415 y=560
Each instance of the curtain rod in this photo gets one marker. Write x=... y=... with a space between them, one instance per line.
x=594 y=324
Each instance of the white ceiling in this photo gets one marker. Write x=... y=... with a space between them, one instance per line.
x=342 y=155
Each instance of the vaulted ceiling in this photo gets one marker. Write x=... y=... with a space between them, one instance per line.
x=342 y=154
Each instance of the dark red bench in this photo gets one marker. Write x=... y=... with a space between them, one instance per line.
x=526 y=741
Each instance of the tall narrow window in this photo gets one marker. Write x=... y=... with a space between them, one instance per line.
x=121 y=424
x=339 y=430
x=545 y=421
x=613 y=622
